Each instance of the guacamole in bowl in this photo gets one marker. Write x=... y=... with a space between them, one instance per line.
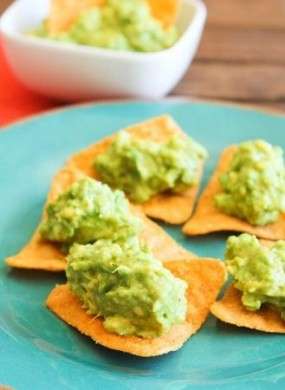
x=126 y=25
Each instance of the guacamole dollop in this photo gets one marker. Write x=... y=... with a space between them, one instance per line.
x=117 y=25
x=259 y=272
x=88 y=211
x=254 y=185
x=144 y=168
x=122 y=282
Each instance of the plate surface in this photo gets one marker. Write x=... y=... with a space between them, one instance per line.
x=37 y=350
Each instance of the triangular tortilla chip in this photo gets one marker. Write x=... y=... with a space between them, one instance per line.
x=207 y=218
x=63 y=13
x=43 y=255
x=231 y=310
x=204 y=278
x=170 y=208
x=165 y=10
x=38 y=253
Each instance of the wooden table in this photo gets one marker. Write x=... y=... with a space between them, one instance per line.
x=242 y=54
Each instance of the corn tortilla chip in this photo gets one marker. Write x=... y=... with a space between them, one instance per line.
x=63 y=13
x=165 y=10
x=207 y=218
x=231 y=310
x=38 y=254
x=204 y=277
x=162 y=245
x=170 y=208
x=43 y=255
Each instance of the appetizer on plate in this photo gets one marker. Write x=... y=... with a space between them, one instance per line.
x=157 y=165
x=246 y=193
x=256 y=299
x=121 y=296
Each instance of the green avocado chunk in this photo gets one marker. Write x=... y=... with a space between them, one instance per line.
x=88 y=211
x=123 y=283
x=117 y=25
x=254 y=185
x=144 y=168
x=258 y=271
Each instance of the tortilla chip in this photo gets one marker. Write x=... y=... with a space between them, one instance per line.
x=204 y=277
x=162 y=245
x=165 y=10
x=43 y=255
x=38 y=253
x=63 y=13
x=207 y=218
x=231 y=310
x=170 y=208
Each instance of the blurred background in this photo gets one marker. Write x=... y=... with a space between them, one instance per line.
x=242 y=54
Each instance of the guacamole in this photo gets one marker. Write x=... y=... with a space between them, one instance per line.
x=259 y=272
x=118 y=25
x=144 y=168
x=88 y=211
x=254 y=185
x=123 y=283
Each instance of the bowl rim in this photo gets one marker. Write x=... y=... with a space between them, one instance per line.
x=199 y=16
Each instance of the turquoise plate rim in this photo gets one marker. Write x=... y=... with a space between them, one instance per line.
x=275 y=112
x=32 y=351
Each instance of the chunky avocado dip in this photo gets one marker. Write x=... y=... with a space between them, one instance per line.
x=254 y=186
x=88 y=211
x=144 y=168
x=117 y=25
x=122 y=282
x=259 y=272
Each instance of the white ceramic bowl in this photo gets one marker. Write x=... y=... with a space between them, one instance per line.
x=74 y=72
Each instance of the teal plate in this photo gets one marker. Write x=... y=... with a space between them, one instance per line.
x=37 y=350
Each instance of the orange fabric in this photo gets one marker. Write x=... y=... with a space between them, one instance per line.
x=16 y=101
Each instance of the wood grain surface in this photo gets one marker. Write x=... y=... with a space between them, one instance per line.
x=242 y=54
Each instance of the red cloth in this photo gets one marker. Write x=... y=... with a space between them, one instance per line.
x=16 y=101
